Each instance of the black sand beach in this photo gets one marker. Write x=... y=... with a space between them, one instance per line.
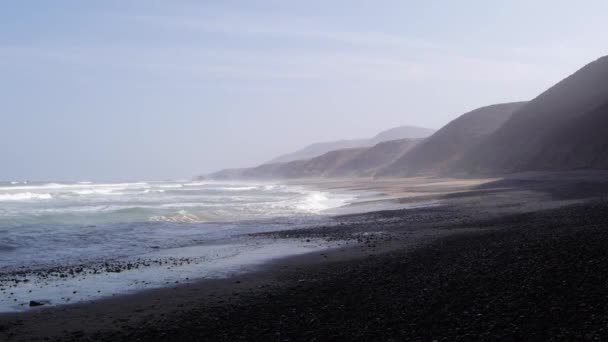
x=517 y=259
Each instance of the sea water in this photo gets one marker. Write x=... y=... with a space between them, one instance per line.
x=184 y=229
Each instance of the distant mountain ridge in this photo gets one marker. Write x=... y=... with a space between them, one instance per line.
x=350 y=162
x=318 y=149
x=393 y=158
x=564 y=128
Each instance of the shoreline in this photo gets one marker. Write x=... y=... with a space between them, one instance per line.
x=384 y=239
x=59 y=286
x=74 y=321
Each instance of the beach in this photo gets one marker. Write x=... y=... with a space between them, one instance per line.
x=281 y=171
x=515 y=258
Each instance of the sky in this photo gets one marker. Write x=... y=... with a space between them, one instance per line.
x=153 y=90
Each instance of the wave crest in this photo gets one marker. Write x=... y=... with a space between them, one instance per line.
x=181 y=216
x=24 y=196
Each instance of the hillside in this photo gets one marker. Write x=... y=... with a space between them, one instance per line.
x=449 y=144
x=579 y=144
x=350 y=162
x=308 y=168
x=315 y=150
x=560 y=129
x=401 y=132
x=321 y=166
x=369 y=161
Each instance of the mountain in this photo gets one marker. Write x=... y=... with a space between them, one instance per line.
x=561 y=129
x=435 y=154
x=306 y=168
x=401 y=132
x=372 y=159
x=321 y=166
x=318 y=149
x=315 y=150
x=350 y=162
x=585 y=148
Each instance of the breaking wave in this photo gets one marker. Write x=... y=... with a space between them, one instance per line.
x=238 y=188
x=24 y=196
x=316 y=202
x=181 y=216
x=60 y=186
x=177 y=202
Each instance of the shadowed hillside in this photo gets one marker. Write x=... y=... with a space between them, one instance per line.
x=579 y=144
x=560 y=129
x=437 y=153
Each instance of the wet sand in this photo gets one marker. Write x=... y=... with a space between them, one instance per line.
x=519 y=258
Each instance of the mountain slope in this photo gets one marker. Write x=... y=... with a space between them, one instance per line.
x=315 y=150
x=401 y=132
x=450 y=143
x=350 y=162
x=317 y=167
x=536 y=130
x=581 y=143
x=369 y=161
x=321 y=166
x=318 y=149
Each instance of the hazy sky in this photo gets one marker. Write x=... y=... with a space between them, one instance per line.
x=118 y=90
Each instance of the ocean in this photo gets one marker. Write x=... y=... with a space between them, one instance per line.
x=58 y=238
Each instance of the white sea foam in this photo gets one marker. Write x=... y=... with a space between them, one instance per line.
x=317 y=201
x=59 y=186
x=275 y=187
x=196 y=184
x=238 y=188
x=24 y=196
x=181 y=216
x=95 y=192
x=147 y=191
x=170 y=186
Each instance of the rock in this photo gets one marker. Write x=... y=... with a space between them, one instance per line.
x=36 y=303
